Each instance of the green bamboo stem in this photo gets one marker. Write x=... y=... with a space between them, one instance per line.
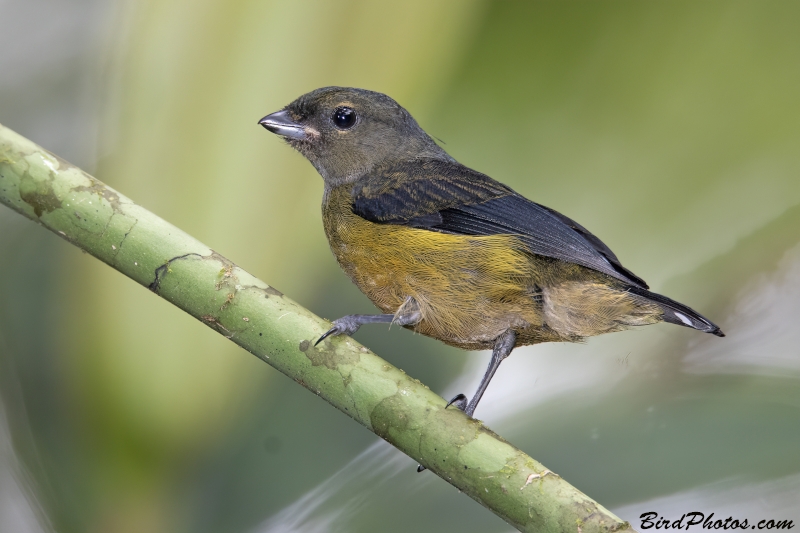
x=260 y=319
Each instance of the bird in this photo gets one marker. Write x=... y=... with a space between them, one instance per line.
x=449 y=252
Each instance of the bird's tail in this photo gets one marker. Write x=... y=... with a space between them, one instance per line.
x=677 y=313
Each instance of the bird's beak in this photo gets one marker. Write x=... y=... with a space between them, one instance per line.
x=280 y=124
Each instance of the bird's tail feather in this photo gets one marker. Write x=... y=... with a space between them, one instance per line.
x=677 y=313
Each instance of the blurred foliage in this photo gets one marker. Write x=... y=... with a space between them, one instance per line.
x=669 y=129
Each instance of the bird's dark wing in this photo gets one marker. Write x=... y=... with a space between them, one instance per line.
x=414 y=192
x=449 y=197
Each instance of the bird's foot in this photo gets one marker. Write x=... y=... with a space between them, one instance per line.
x=459 y=400
x=347 y=325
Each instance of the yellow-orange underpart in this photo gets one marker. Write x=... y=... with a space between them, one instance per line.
x=471 y=289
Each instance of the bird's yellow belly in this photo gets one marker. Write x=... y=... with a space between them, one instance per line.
x=469 y=289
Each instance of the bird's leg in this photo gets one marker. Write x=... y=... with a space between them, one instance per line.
x=502 y=347
x=349 y=324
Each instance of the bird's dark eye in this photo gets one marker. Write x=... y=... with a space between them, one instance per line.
x=344 y=118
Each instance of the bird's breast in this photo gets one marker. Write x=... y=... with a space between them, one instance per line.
x=469 y=289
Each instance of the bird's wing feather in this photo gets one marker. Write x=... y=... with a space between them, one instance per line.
x=414 y=191
x=448 y=197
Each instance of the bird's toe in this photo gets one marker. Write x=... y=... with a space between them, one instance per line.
x=459 y=400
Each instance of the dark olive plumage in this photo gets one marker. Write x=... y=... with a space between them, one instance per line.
x=449 y=252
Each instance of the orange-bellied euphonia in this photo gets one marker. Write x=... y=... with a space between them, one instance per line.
x=449 y=252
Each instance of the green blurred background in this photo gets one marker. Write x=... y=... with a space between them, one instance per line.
x=670 y=129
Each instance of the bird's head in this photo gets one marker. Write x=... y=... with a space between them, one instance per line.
x=346 y=132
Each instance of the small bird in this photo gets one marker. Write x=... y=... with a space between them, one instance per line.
x=449 y=252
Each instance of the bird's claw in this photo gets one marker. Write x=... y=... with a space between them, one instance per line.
x=459 y=400
x=346 y=325
x=327 y=334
